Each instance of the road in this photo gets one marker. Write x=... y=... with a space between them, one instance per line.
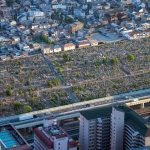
x=76 y=107
x=68 y=90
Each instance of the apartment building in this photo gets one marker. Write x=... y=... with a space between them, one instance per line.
x=76 y=26
x=114 y=128
x=52 y=137
x=94 y=131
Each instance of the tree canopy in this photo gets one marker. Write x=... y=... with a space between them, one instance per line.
x=131 y=57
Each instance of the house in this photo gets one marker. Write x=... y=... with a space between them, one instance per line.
x=27 y=39
x=76 y=26
x=83 y=43
x=15 y=39
x=46 y=49
x=77 y=12
x=5 y=41
x=23 y=29
x=36 y=46
x=57 y=48
x=93 y=42
x=69 y=46
x=145 y=18
x=3 y=57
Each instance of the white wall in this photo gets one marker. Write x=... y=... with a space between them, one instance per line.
x=61 y=143
x=73 y=148
x=117 y=127
x=83 y=133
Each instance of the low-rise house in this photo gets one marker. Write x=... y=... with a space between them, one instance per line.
x=93 y=42
x=57 y=48
x=36 y=46
x=46 y=49
x=3 y=57
x=15 y=39
x=27 y=39
x=36 y=32
x=23 y=29
x=5 y=41
x=77 y=12
x=145 y=18
x=69 y=46
x=84 y=43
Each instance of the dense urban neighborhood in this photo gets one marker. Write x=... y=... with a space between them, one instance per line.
x=57 y=53
x=74 y=74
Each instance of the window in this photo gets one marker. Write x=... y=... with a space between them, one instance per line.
x=58 y=143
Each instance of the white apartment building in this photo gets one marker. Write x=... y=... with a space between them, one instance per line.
x=52 y=137
x=112 y=128
x=94 y=131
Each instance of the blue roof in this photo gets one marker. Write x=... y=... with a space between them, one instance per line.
x=7 y=140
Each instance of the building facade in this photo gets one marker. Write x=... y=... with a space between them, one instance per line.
x=114 y=128
x=52 y=137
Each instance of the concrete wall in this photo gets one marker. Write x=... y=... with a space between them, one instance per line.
x=117 y=130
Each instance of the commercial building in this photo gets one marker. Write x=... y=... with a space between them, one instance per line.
x=114 y=128
x=10 y=139
x=53 y=137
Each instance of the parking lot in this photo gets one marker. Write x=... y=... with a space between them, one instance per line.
x=107 y=36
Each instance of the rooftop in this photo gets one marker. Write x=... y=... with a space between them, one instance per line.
x=97 y=112
x=47 y=134
x=10 y=138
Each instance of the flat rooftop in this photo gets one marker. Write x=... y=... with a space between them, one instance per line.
x=53 y=131
x=9 y=137
x=7 y=140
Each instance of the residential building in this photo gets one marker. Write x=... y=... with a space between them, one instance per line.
x=52 y=137
x=46 y=49
x=57 y=48
x=69 y=46
x=114 y=128
x=93 y=42
x=76 y=26
x=83 y=43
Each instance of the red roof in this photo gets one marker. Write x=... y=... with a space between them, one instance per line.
x=42 y=137
x=60 y=136
x=73 y=142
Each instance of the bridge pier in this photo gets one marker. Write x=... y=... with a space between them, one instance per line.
x=142 y=106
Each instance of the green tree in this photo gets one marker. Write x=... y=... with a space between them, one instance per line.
x=104 y=61
x=131 y=57
x=78 y=74
x=59 y=70
x=69 y=20
x=9 y=92
x=27 y=109
x=114 y=61
x=50 y=84
x=20 y=92
x=56 y=81
x=17 y=105
x=65 y=57
x=27 y=83
x=32 y=100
